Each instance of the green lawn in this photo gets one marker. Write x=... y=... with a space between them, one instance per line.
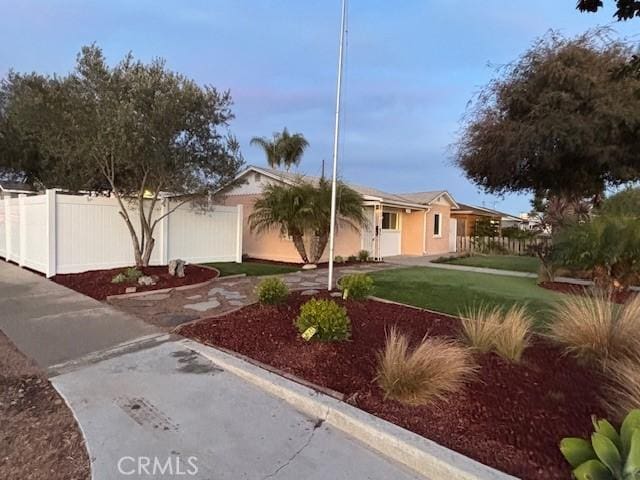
x=451 y=291
x=516 y=263
x=251 y=269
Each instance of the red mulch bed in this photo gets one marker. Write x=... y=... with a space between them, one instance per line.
x=510 y=417
x=619 y=297
x=97 y=283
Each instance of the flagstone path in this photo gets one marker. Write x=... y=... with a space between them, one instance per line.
x=222 y=295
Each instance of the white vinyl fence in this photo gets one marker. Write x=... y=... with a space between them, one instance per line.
x=55 y=233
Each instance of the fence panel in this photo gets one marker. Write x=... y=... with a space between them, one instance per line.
x=70 y=234
x=499 y=244
x=204 y=236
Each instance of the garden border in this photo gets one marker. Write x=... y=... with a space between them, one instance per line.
x=418 y=453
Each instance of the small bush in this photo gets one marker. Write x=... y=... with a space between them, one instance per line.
x=352 y=258
x=435 y=368
x=272 y=291
x=338 y=259
x=490 y=329
x=133 y=274
x=363 y=255
x=357 y=286
x=595 y=328
x=623 y=391
x=329 y=319
x=119 y=278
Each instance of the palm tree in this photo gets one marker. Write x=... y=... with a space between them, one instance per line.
x=287 y=207
x=305 y=209
x=284 y=149
x=349 y=209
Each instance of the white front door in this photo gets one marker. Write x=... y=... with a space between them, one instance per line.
x=390 y=233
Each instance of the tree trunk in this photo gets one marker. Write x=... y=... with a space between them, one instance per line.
x=319 y=246
x=148 y=250
x=298 y=242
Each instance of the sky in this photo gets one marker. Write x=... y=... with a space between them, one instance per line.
x=411 y=68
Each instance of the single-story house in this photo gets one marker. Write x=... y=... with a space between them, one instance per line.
x=399 y=224
x=468 y=217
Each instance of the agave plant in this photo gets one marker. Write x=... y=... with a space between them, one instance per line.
x=609 y=455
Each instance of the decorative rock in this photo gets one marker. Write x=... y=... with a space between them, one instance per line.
x=194 y=297
x=147 y=281
x=236 y=303
x=130 y=290
x=310 y=292
x=176 y=268
x=203 y=306
x=309 y=266
x=336 y=294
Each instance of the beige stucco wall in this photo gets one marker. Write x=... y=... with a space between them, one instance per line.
x=412 y=225
x=438 y=245
x=271 y=245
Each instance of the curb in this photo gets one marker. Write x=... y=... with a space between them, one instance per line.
x=407 y=448
x=124 y=296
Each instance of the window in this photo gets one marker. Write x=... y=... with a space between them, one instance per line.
x=389 y=221
x=437 y=225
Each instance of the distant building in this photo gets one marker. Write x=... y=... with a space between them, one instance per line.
x=469 y=216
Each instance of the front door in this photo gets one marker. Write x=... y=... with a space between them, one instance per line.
x=390 y=234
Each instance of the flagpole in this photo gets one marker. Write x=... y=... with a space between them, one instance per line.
x=336 y=141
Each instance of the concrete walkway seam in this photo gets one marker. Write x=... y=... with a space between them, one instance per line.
x=407 y=448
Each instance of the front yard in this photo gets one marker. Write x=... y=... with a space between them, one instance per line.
x=452 y=292
x=516 y=263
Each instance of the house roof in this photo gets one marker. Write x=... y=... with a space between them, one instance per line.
x=486 y=212
x=17 y=187
x=368 y=193
x=427 y=198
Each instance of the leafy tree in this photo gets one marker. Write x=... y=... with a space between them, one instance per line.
x=283 y=149
x=303 y=210
x=556 y=122
x=625 y=203
x=625 y=9
x=136 y=130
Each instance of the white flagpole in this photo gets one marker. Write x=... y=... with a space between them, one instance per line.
x=336 y=141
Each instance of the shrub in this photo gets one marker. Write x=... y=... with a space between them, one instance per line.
x=357 y=286
x=329 y=319
x=610 y=454
x=131 y=274
x=490 y=329
x=352 y=258
x=119 y=278
x=623 y=391
x=338 y=259
x=593 y=327
x=272 y=291
x=607 y=246
x=431 y=370
x=363 y=255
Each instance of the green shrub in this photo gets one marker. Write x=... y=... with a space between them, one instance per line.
x=338 y=259
x=609 y=454
x=272 y=291
x=329 y=320
x=357 y=286
x=352 y=258
x=132 y=274
x=119 y=278
x=363 y=255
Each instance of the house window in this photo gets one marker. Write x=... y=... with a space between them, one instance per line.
x=389 y=221
x=437 y=225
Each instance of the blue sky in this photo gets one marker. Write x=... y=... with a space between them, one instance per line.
x=411 y=68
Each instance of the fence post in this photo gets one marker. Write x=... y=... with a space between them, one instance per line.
x=7 y=229
x=239 y=234
x=22 y=228
x=52 y=247
x=164 y=232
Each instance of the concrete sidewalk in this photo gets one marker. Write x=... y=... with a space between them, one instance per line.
x=53 y=324
x=171 y=404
